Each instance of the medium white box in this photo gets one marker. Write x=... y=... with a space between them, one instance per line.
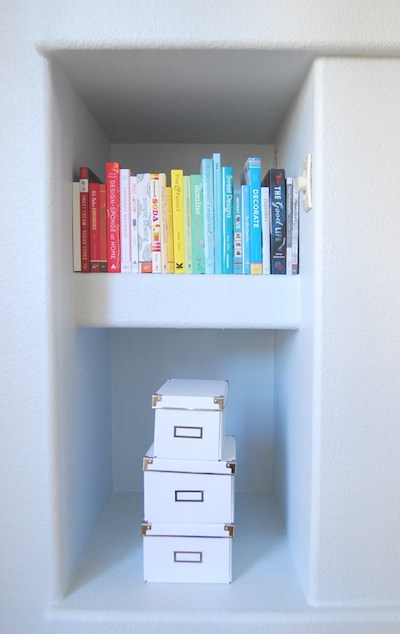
x=187 y=553
x=200 y=491
x=189 y=419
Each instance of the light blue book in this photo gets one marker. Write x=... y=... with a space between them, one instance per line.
x=206 y=171
x=227 y=220
x=245 y=199
x=196 y=190
x=237 y=231
x=218 y=212
x=252 y=177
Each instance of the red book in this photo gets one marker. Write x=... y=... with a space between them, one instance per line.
x=103 y=228
x=86 y=176
x=94 y=227
x=113 y=218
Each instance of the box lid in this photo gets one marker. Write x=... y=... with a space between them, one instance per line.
x=225 y=466
x=187 y=530
x=191 y=394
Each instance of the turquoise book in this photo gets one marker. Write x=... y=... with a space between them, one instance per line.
x=206 y=171
x=252 y=177
x=196 y=194
x=237 y=231
x=227 y=220
x=218 y=212
x=245 y=200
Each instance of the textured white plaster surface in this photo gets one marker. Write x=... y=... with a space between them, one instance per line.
x=350 y=419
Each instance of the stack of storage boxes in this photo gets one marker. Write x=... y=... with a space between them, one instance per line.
x=189 y=485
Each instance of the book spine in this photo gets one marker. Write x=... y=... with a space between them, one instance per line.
x=170 y=232
x=295 y=229
x=124 y=183
x=76 y=226
x=208 y=204
x=144 y=223
x=179 y=220
x=252 y=173
x=237 y=236
x=113 y=218
x=94 y=227
x=134 y=225
x=277 y=195
x=227 y=220
x=218 y=214
x=84 y=223
x=187 y=205
x=162 y=179
x=196 y=185
x=103 y=228
x=266 y=237
x=155 y=223
x=289 y=225
x=245 y=204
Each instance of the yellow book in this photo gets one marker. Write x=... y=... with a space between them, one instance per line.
x=170 y=232
x=178 y=220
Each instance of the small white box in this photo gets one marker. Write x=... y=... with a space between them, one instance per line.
x=187 y=553
x=194 y=491
x=189 y=419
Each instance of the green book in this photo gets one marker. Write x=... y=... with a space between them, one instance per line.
x=198 y=255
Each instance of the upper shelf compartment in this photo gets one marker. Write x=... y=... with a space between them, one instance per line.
x=187 y=301
x=186 y=96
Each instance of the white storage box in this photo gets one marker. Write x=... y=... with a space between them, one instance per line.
x=195 y=491
x=187 y=553
x=189 y=419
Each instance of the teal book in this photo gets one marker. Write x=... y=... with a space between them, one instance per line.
x=196 y=194
x=252 y=177
x=227 y=220
x=237 y=231
x=245 y=200
x=206 y=171
x=218 y=212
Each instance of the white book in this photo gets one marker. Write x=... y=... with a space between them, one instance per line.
x=134 y=227
x=295 y=229
x=289 y=224
x=124 y=184
x=155 y=223
x=76 y=226
x=162 y=179
x=266 y=231
x=144 y=223
x=187 y=206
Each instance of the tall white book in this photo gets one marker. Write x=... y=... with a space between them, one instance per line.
x=162 y=179
x=125 y=203
x=134 y=225
x=266 y=231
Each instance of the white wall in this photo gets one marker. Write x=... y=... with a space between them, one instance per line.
x=357 y=241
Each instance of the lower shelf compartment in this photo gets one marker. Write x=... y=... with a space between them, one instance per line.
x=111 y=574
x=108 y=594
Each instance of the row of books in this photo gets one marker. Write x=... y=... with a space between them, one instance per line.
x=198 y=223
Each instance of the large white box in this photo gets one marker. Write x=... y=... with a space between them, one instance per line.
x=187 y=553
x=189 y=419
x=190 y=491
